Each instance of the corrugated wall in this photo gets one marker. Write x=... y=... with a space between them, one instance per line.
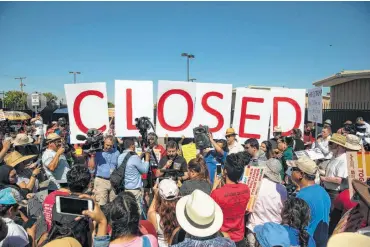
x=351 y=95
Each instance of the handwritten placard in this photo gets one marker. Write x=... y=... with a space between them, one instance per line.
x=315 y=105
x=189 y=152
x=358 y=165
x=253 y=178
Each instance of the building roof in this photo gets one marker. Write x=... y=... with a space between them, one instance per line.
x=342 y=77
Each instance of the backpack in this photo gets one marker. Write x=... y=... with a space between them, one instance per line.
x=117 y=178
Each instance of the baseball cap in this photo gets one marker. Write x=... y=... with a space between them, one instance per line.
x=9 y=196
x=168 y=189
x=305 y=164
x=272 y=234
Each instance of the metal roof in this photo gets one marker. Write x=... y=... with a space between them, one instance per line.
x=342 y=77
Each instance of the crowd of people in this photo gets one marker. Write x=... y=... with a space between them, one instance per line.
x=147 y=198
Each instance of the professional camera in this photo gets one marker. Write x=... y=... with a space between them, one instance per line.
x=143 y=124
x=201 y=138
x=350 y=129
x=94 y=141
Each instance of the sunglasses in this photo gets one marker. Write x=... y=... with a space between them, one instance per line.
x=228 y=136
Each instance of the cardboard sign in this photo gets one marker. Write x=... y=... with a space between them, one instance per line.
x=313 y=154
x=175 y=108
x=252 y=176
x=87 y=108
x=315 y=105
x=34 y=206
x=252 y=114
x=358 y=164
x=288 y=109
x=133 y=99
x=213 y=107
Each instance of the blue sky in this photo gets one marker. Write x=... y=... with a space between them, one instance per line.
x=243 y=43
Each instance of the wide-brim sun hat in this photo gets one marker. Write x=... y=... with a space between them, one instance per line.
x=52 y=137
x=14 y=158
x=349 y=239
x=338 y=139
x=272 y=169
x=363 y=190
x=22 y=139
x=199 y=215
x=353 y=142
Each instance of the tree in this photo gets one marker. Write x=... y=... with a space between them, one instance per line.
x=15 y=100
x=50 y=97
x=110 y=105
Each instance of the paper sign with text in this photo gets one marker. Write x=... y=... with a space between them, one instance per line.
x=288 y=109
x=213 y=107
x=252 y=176
x=87 y=108
x=315 y=105
x=133 y=99
x=175 y=108
x=189 y=151
x=252 y=114
x=358 y=164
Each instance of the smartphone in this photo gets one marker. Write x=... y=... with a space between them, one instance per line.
x=72 y=205
x=219 y=170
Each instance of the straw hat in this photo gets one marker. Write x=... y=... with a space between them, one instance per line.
x=52 y=137
x=230 y=131
x=363 y=190
x=349 y=239
x=14 y=158
x=199 y=215
x=22 y=139
x=353 y=142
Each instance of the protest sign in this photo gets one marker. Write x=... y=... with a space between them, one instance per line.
x=315 y=105
x=213 y=107
x=252 y=113
x=2 y=115
x=252 y=176
x=358 y=164
x=189 y=152
x=87 y=108
x=350 y=222
x=288 y=109
x=131 y=99
x=175 y=108
x=34 y=206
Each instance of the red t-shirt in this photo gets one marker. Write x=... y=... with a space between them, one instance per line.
x=48 y=204
x=343 y=202
x=233 y=200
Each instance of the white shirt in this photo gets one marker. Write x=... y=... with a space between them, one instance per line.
x=268 y=205
x=235 y=148
x=60 y=173
x=16 y=237
x=324 y=145
x=337 y=167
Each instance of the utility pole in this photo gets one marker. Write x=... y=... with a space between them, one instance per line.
x=188 y=57
x=74 y=75
x=22 y=84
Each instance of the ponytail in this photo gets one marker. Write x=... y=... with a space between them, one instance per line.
x=303 y=238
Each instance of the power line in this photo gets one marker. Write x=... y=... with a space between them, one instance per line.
x=21 y=84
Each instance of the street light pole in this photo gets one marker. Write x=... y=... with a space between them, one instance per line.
x=74 y=75
x=21 y=79
x=188 y=57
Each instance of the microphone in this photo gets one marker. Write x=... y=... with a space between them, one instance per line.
x=81 y=137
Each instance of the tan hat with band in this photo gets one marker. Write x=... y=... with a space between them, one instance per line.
x=14 y=158
x=305 y=164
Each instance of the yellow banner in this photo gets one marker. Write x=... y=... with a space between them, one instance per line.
x=189 y=152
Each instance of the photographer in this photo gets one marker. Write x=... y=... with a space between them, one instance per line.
x=134 y=168
x=54 y=161
x=102 y=164
x=173 y=161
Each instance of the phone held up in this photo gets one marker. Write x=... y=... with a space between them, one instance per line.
x=72 y=205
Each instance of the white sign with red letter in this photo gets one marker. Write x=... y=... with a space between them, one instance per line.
x=252 y=113
x=87 y=108
x=288 y=109
x=175 y=108
x=133 y=99
x=213 y=107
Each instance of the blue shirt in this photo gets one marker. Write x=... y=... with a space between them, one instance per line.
x=106 y=163
x=211 y=162
x=134 y=168
x=294 y=237
x=319 y=202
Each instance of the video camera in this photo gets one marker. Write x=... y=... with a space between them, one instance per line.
x=143 y=124
x=94 y=141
